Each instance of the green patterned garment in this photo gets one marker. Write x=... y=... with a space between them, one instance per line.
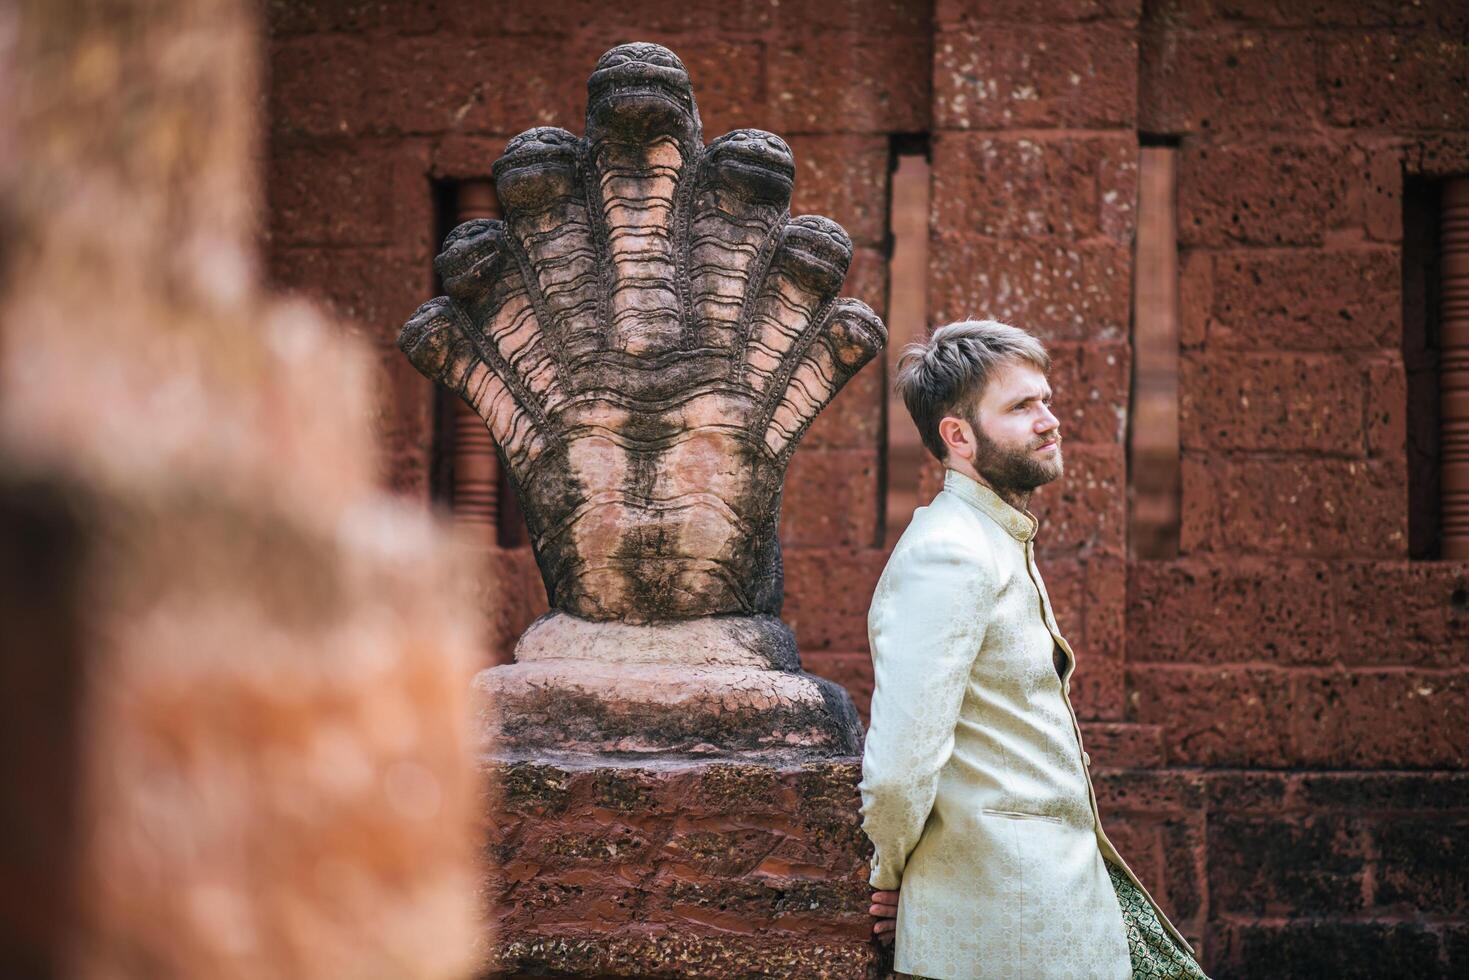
x=1155 y=956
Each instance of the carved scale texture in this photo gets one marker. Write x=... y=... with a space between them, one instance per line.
x=647 y=335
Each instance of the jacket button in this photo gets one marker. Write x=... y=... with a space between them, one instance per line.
x=1086 y=759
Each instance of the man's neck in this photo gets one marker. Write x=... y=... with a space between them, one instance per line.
x=1019 y=499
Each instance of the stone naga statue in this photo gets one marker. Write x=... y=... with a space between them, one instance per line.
x=647 y=334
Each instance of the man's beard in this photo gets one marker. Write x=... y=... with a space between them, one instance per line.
x=1018 y=469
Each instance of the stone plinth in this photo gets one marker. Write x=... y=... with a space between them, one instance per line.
x=703 y=687
x=678 y=867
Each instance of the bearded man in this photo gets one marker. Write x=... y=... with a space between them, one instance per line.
x=990 y=860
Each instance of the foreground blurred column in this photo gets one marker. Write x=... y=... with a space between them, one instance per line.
x=232 y=676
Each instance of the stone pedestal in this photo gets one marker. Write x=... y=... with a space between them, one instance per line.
x=678 y=867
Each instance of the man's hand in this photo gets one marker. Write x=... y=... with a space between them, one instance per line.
x=885 y=909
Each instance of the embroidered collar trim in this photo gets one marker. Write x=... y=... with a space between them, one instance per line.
x=1022 y=525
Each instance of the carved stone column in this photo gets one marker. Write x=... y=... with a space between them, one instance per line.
x=476 y=470
x=647 y=334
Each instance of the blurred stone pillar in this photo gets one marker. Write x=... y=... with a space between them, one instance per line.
x=1454 y=367
x=233 y=741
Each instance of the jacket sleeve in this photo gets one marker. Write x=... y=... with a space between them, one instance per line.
x=925 y=627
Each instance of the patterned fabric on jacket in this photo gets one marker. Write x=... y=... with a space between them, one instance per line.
x=1154 y=955
x=975 y=788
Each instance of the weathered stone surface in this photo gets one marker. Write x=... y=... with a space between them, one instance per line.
x=864 y=83
x=1311 y=403
x=1060 y=288
x=1305 y=506
x=1285 y=866
x=1387 y=80
x=1278 y=193
x=1229 y=81
x=1294 y=299
x=679 y=868
x=1333 y=948
x=1036 y=76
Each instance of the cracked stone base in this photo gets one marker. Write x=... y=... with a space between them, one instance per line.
x=678 y=867
x=718 y=686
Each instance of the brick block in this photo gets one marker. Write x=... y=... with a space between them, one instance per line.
x=867 y=280
x=1010 y=77
x=1246 y=791
x=728 y=78
x=1123 y=746
x=1137 y=839
x=323 y=194
x=456 y=156
x=1065 y=580
x=1310 y=403
x=1394 y=81
x=1184 y=874
x=1143 y=792
x=878 y=17
x=828 y=591
x=318 y=85
x=846 y=179
x=950 y=12
x=1329 y=13
x=1331 y=948
x=1260 y=194
x=1084 y=510
x=1383 y=791
x=1224 y=716
x=1387 y=408
x=1303 y=299
x=866 y=84
x=1382 y=719
x=1439 y=155
x=1190 y=612
x=1020 y=187
x=517 y=84
x=831 y=498
x=1307 y=507
x=373 y=290
x=1287 y=865
x=1377 y=188
x=1055 y=288
x=1097 y=686
x=1422 y=863
x=1228 y=81
x=1091 y=383
x=1195 y=296
x=1409 y=613
x=285 y=17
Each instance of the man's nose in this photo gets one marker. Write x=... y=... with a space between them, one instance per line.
x=1047 y=421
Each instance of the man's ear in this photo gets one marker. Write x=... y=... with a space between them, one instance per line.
x=957 y=436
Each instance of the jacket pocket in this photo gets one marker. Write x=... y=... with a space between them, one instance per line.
x=1017 y=815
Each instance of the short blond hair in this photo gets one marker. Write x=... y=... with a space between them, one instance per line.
x=946 y=374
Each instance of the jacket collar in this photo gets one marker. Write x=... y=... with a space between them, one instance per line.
x=1022 y=525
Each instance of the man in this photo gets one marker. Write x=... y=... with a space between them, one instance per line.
x=990 y=860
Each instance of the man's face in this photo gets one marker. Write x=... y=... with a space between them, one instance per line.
x=1018 y=440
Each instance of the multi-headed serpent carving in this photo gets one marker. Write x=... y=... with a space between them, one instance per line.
x=647 y=334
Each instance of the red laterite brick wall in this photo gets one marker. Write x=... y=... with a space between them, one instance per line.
x=1276 y=713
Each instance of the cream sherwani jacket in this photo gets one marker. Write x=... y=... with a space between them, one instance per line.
x=975 y=788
